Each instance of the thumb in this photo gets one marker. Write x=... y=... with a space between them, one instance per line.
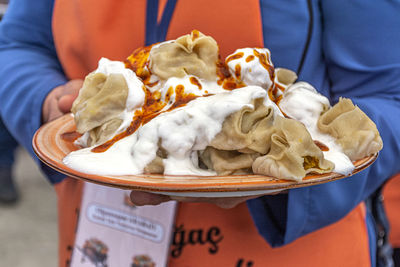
x=65 y=103
x=70 y=93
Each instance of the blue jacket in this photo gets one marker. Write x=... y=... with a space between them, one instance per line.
x=344 y=48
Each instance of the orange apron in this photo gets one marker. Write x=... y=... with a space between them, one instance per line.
x=205 y=235
x=392 y=204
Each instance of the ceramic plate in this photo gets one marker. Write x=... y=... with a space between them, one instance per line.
x=53 y=141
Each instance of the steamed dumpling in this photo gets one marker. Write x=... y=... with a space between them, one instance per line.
x=247 y=130
x=228 y=162
x=104 y=132
x=100 y=101
x=192 y=54
x=293 y=153
x=354 y=131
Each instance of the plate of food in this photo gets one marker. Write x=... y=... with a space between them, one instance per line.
x=176 y=119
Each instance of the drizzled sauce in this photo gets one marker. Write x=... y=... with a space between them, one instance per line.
x=222 y=71
x=229 y=84
x=181 y=98
x=321 y=145
x=234 y=56
x=278 y=86
x=225 y=79
x=139 y=63
x=149 y=84
x=238 y=71
x=265 y=63
x=70 y=136
x=196 y=82
x=273 y=92
x=152 y=107
x=195 y=34
x=276 y=100
x=249 y=58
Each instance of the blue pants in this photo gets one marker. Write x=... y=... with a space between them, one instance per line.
x=7 y=146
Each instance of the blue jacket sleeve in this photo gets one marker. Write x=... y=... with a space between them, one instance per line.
x=362 y=60
x=29 y=67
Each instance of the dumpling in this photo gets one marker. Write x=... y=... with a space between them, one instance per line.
x=284 y=77
x=354 y=131
x=100 y=102
x=192 y=54
x=247 y=130
x=293 y=153
x=228 y=162
x=104 y=132
x=157 y=164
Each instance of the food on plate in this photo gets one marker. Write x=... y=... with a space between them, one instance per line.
x=194 y=54
x=355 y=132
x=176 y=108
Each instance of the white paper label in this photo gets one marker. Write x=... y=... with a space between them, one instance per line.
x=114 y=232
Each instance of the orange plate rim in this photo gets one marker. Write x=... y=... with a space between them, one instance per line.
x=50 y=149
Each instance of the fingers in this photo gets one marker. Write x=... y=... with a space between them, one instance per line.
x=59 y=100
x=140 y=198
x=65 y=103
x=50 y=110
x=69 y=94
x=73 y=86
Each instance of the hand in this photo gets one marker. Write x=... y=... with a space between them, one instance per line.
x=141 y=198
x=59 y=101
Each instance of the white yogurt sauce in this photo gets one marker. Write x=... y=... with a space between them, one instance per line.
x=136 y=94
x=251 y=70
x=181 y=132
x=302 y=102
x=184 y=131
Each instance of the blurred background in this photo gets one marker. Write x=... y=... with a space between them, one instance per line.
x=28 y=228
x=3 y=6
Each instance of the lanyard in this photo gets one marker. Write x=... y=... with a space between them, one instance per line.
x=156 y=32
